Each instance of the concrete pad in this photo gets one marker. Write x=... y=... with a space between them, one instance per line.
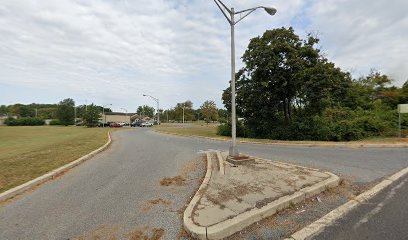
x=237 y=206
x=207 y=213
x=251 y=192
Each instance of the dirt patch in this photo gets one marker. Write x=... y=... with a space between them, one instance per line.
x=235 y=192
x=154 y=202
x=156 y=234
x=173 y=181
x=188 y=168
x=103 y=232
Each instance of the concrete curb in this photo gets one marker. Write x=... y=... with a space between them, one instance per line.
x=233 y=225
x=221 y=163
x=327 y=220
x=331 y=145
x=11 y=193
x=195 y=230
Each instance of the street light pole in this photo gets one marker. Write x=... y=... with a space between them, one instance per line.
x=124 y=109
x=75 y=115
x=158 y=105
x=183 y=114
x=233 y=151
x=103 y=113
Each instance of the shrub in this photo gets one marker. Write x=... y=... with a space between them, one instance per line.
x=55 y=122
x=225 y=129
x=10 y=121
x=27 y=121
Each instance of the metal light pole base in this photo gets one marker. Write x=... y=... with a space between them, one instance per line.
x=233 y=152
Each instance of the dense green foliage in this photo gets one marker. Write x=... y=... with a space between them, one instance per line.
x=289 y=90
x=225 y=129
x=25 y=121
x=54 y=122
x=145 y=111
x=44 y=111
x=91 y=117
x=209 y=111
x=66 y=112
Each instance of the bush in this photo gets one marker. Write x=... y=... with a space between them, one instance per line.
x=55 y=122
x=10 y=121
x=225 y=129
x=27 y=121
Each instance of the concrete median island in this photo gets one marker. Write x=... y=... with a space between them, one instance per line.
x=233 y=197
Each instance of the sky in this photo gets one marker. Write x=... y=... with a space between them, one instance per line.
x=114 y=51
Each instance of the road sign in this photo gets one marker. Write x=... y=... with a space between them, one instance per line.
x=403 y=108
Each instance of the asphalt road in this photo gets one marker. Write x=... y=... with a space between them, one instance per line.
x=109 y=194
x=361 y=164
x=384 y=217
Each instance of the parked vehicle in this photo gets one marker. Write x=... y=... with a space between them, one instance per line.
x=137 y=124
x=115 y=125
x=146 y=124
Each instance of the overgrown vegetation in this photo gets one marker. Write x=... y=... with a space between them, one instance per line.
x=25 y=121
x=62 y=113
x=288 y=90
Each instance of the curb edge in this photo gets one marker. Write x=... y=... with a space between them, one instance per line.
x=195 y=230
x=352 y=145
x=328 y=219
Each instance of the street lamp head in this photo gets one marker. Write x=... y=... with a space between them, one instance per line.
x=270 y=10
x=144 y=95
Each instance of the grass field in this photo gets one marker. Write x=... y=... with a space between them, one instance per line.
x=29 y=152
x=211 y=131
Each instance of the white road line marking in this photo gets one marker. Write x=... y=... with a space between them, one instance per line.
x=378 y=208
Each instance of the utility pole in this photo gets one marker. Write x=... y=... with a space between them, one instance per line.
x=183 y=114
x=233 y=151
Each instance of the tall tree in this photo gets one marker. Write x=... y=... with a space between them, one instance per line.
x=188 y=111
x=65 y=111
x=91 y=116
x=145 y=111
x=284 y=78
x=209 y=111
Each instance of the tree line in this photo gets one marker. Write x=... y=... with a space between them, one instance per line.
x=289 y=90
x=64 y=113
x=208 y=112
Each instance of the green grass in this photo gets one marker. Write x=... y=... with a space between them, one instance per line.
x=210 y=130
x=29 y=152
x=203 y=129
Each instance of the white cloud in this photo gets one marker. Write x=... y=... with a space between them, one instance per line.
x=360 y=35
x=114 y=51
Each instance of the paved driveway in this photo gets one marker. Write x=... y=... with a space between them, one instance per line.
x=110 y=194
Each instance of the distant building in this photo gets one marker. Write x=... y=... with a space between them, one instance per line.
x=116 y=117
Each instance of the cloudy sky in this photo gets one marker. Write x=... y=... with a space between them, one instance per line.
x=112 y=51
